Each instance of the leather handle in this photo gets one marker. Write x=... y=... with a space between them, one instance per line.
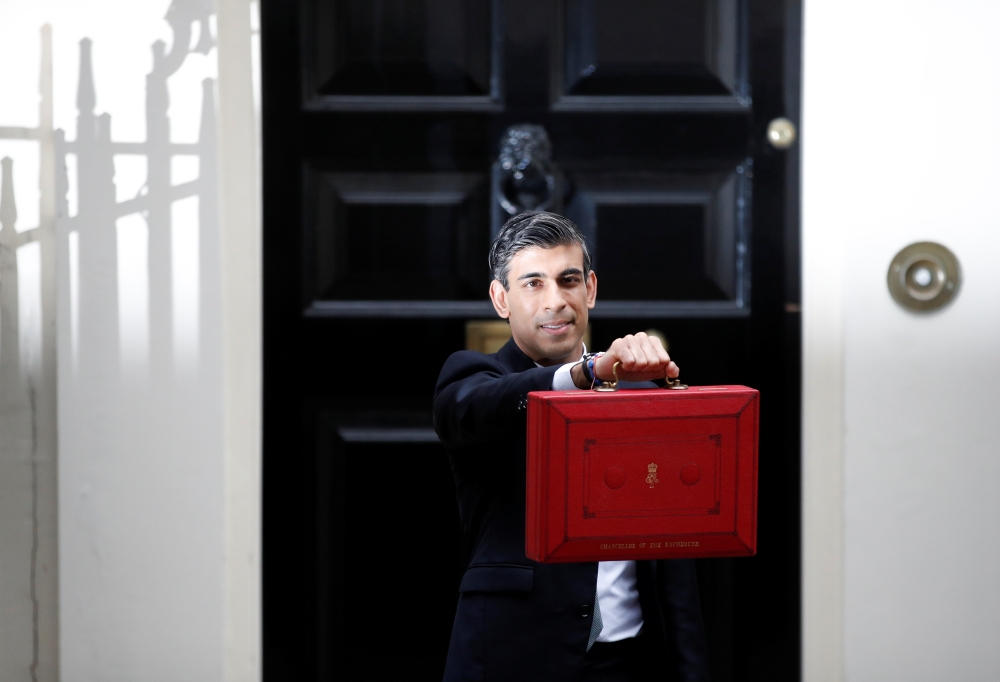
x=609 y=386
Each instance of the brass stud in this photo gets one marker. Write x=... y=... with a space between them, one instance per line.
x=781 y=133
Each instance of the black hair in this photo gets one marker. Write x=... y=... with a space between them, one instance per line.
x=533 y=229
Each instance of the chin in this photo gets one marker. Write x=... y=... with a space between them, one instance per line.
x=556 y=349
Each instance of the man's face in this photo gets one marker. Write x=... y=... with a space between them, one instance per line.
x=547 y=302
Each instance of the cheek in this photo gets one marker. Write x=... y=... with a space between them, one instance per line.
x=522 y=306
x=523 y=317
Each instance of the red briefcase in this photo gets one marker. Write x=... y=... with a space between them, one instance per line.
x=642 y=474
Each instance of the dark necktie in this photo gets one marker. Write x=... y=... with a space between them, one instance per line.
x=597 y=625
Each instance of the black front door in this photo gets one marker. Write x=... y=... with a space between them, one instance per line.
x=398 y=136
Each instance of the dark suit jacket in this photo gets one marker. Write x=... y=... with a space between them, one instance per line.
x=518 y=619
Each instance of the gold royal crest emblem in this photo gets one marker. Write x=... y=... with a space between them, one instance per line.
x=651 y=479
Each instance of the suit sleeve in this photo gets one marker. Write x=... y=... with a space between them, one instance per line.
x=477 y=399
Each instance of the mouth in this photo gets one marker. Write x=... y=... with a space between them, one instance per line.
x=557 y=328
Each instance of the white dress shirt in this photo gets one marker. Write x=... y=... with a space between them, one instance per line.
x=617 y=592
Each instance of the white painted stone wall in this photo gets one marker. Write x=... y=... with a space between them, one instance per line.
x=902 y=440
x=157 y=276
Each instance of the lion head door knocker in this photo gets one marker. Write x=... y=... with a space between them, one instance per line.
x=526 y=180
x=651 y=479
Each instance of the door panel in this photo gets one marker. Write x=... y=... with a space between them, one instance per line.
x=369 y=229
x=383 y=179
x=382 y=494
x=401 y=54
x=638 y=55
x=693 y=228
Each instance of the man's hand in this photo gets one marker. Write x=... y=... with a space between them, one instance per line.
x=643 y=358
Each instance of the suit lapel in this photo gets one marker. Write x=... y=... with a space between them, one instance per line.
x=513 y=358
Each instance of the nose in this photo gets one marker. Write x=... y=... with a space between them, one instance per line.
x=554 y=299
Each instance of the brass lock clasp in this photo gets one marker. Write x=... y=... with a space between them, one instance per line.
x=675 y=384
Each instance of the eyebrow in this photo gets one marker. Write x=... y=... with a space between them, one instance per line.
x=564 y=273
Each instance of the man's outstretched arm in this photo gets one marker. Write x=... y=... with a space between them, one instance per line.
x=476 y=400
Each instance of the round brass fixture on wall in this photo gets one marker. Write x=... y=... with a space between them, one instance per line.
x=924 y=276
x=781 y=133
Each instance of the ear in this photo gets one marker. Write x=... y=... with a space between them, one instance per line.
x=591 y=289
x=499 y=297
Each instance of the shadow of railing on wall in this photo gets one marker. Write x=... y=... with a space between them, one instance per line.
x=173 y=334
x=28 y=395
x=64 y=272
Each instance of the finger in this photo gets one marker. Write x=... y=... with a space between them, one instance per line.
x=673 y=371
x=617 y=352
x=625 y=354
x=661 y=352
x=639 y=353
x=653 y=358
x=614 y=353
x=627 y=358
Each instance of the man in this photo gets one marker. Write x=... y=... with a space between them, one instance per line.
x=519 y=620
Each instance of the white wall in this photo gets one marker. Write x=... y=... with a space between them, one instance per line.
x=901 y=461
x=158 y=344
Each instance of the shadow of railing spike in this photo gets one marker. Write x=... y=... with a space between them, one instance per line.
x=86 y=95
x=8 y=206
